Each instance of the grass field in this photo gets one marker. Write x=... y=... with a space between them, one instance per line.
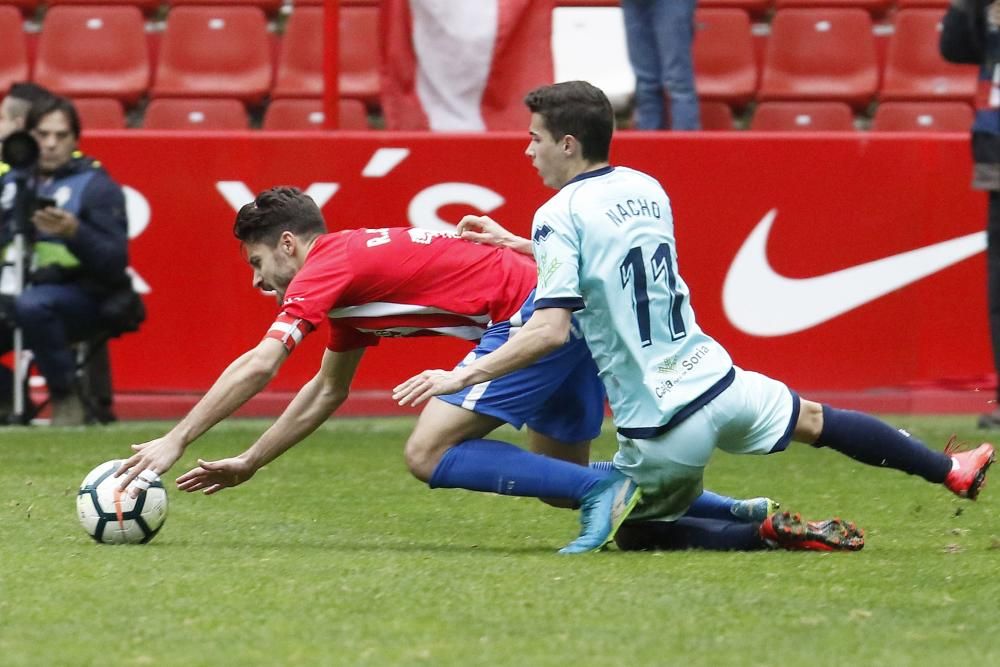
x=333 y=555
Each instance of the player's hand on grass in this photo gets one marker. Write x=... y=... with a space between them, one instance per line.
x=421 y=387
x=155 y=456
x=213 y=476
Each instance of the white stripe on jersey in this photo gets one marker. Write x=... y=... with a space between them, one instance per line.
x=465 y=333
x=388 y=309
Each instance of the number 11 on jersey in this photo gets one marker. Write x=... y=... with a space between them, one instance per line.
x=633 y=272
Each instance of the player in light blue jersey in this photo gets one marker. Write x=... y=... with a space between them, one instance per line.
x=605 y=252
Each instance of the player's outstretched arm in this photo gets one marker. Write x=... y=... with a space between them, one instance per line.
x=314 y=403
x=242 y=380
x=484 y=229
x=544 y=332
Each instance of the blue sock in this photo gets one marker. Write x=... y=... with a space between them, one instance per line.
x=711 y=506
x=688 y=533
x=499 y=467
x=708 y=505
x=869 y=440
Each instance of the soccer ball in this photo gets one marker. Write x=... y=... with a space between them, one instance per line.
x=114 y=517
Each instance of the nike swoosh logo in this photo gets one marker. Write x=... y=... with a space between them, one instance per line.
x=761 y=302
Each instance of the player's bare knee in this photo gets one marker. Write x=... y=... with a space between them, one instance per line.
x=422 y=457
x=810 y=424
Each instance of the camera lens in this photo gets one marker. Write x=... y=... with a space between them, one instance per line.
x=20 y=150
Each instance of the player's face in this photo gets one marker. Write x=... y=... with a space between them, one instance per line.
x=56 y=140
x=273 y=268
x=546 y=153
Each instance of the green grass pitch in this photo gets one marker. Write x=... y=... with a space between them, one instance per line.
x=334 y=555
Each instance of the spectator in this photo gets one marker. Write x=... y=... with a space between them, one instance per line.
x=79 y=253
x=15 y=107
x=659 y=34
x=969 y=34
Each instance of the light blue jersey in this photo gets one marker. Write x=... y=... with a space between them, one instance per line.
x=605 y=247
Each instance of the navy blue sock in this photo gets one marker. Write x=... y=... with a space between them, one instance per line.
x=499 y=467
x=708 y=505
x=689 y=533
x=711 y=506
x=869 y=440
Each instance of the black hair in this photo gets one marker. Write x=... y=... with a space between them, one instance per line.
x=279 y=209
x=49 y=105
x=579 y=109
x=29 y=92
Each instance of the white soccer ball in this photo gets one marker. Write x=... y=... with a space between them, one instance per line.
x=114 y=517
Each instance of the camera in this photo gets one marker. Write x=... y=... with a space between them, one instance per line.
x=20 y=150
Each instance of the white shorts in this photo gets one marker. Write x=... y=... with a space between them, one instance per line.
x=754 y=415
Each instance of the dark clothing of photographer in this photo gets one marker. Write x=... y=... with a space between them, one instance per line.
x=69 y=278
x=970 y=35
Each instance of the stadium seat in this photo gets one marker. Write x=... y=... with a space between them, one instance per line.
x=145 y=6
x=923 y=117
x=820 y=54
x=269 y=6
x=196 y=114
x=715 y=115
x=14 y=54
x=803 y=117
x=214 y=52
x=914 y=68
x=588 y=42
x=359 y=54
x=307 y=114
x=756 y=8
x=922 y=4
x=300 y=58
x=874 y=7
x=723 y=56
x=94 y=51
x=100 y=113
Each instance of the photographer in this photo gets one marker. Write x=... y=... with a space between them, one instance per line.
x=79 y=252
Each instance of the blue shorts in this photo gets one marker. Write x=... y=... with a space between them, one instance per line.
x=559 y=396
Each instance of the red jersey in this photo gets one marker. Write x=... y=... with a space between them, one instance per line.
x=401 y=281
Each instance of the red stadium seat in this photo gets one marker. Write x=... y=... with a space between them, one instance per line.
x=307 y=114
x=269 y=6
x=145 y=6
x=95 y=51
x=922 y=4
x=803 y=117
x=14 y=53
x=915 y=70
x=100 y=113
x=756 y=8
x=820 y=54
x=723 y=56
x=300 y=60
x=359 y=54
x=196 y=114
x=923 y=117
x=715 y=115
x=214 y=52
x=875 y=7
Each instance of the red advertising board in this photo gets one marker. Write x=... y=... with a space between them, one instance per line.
x=828 y=261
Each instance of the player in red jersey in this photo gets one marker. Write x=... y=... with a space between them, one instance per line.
x=372 y=283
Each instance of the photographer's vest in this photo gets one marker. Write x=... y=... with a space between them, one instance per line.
x=67 y=190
